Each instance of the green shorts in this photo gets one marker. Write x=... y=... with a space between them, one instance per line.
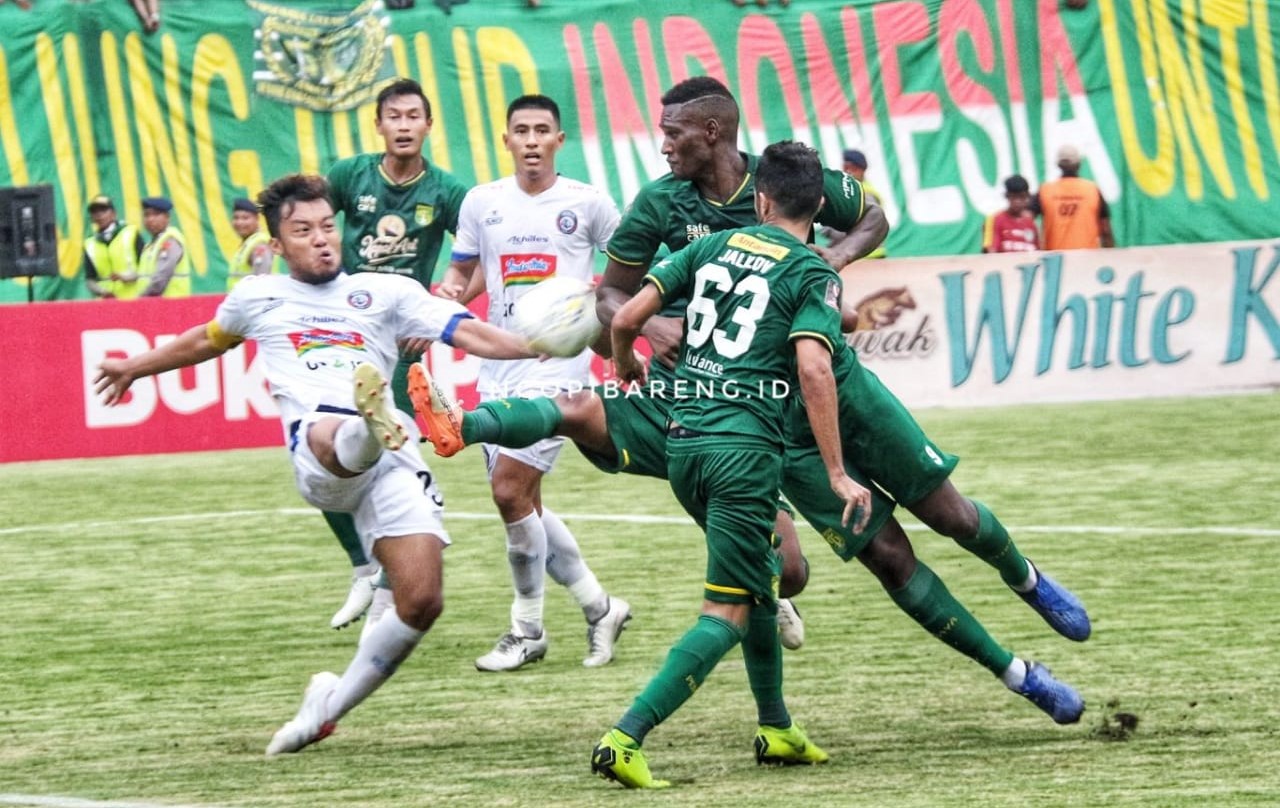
x=637 y=426
x=881 y=438
x=805 y=483
x=730 y=488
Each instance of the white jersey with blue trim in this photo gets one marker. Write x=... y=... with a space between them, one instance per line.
x=521 y=240
x=311 y=337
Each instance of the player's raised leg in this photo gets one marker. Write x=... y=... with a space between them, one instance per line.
x=975 y=528
x=916 y=590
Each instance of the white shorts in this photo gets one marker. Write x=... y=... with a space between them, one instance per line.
x=541 y=455
x=397 y=497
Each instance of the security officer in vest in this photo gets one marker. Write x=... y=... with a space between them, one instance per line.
x=254 y=257
x=165 y=266
x=111 y=253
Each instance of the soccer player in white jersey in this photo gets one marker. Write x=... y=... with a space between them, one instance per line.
x=521 y=230
x=328 y=340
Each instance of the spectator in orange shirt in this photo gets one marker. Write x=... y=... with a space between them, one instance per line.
x=1013 y=229
x=1072 y=210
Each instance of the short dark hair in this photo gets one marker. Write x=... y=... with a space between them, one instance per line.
x=287 y=192
x=790 y=174
x=534 y=101
x=403 y=87
x=1017 y=184
x=691 y=89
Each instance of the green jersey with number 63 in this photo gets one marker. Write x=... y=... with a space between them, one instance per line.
x=751 y=292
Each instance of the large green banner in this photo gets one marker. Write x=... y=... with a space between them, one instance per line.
x=1174 y=104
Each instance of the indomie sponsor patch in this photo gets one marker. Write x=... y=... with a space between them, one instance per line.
x=523 y=269
x=304 y=341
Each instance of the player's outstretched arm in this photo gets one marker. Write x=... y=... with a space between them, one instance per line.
x=818 y=386
x=481 y=339
x=862 y=238
x=619 y=284
x=459 y=281
x=197 y=344
x=627 y=324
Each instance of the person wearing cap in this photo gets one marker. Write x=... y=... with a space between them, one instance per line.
x=855 y=165
x=254 y=256
x=1072 y=210
x=111 y=252
x=165 y=266
x=1014 y=228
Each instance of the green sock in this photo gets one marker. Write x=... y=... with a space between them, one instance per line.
x=993 y=545
x=512 y=422
x=763 y=654
x=343 y=526
x=931 y=605
x=688 y=664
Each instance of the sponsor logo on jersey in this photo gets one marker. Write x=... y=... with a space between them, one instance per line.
x=359 y=299
x=366 y=203
x=388 y=243
x=315 y=339
x=751 y=244
x=566 y=222
x=524 y=269
x=424 y=214
x=519 y=241
x=832 y=296
x=493 y=218
x=693 y=232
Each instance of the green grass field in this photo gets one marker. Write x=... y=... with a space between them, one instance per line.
x=163 y=614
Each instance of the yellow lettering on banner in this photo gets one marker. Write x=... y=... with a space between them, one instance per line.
x=1266 y=62
x=9 y=138
x=64 y=156
x=304 y=122
x=215 y=58
x=169 y=151
x=1227 y=17
x=121 y=130
x=77 y=227
x=342 y=144
x=427 y=71
x=1190 y=100
x=471 y=106
x=367 y=125
x=398 y=56
x=499 y=47
x=84 y=125
x=1154 y=175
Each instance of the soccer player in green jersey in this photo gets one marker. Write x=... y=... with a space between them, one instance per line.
x=763 y=310
x=396 y=208
x=627 y=434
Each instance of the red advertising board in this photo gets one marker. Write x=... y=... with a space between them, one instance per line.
x=51 y=352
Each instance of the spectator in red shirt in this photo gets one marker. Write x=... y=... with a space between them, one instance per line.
x=1014 y=228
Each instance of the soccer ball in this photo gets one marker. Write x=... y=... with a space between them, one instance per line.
x=557 y=316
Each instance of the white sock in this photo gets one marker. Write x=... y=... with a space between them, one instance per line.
x=1015 y=674
x=566 y=567
x=527 y=557
x=365 y=570
x=1033 y=578
x=383 y=601
x=357 y=448
x=389 y=643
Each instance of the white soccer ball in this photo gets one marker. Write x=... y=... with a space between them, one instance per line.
x=557 y=316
